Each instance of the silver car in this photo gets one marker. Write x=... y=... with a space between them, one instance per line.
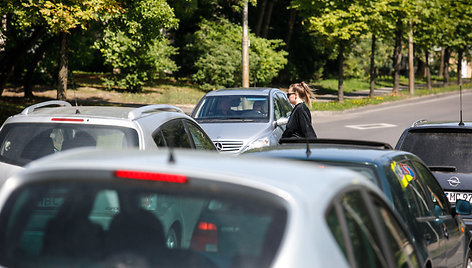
x=44 y=129
x=86 y=208
x=241 y=119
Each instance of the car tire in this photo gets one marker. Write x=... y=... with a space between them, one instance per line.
x=468 y=260
x=173 y=238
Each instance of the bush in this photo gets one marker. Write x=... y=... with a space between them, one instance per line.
x=217 y=52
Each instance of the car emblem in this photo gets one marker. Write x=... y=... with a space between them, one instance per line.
x=454 y=181
x=219 y=146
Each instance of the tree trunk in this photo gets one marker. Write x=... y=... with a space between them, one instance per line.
x=427 y=70
x=245 y=48
x=37 y=56
x=459 y=66
x=261 y=17
x=291 y=22
x=63 y=68
x=447 y=56
x=15 y=55
x=397 y=57
x=372 y=67
x=341 y=71
x=411 y=66
x=441 y=64
x=270 y=7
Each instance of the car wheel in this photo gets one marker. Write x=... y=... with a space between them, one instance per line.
x=173 y=240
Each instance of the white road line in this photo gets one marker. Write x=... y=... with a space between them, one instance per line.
x=371 y=126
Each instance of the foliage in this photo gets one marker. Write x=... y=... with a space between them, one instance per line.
x=134 y=43
x=217 y=47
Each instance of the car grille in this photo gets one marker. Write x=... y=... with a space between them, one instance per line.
x=228 y=145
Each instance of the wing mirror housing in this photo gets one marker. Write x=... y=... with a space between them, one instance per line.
x=281 y=122
x=463 y=207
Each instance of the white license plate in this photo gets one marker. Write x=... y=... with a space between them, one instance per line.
x=453 y=196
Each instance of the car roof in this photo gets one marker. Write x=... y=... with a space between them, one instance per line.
x=329 y=152
x=272 y=176
x=242 y=91
x=440 y=124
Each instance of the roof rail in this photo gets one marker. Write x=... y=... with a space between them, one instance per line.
x=378 y=144
x=419 y=122
x=31 y=108
x=139 y=112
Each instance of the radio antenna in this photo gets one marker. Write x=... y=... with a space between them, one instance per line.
x=461 y=123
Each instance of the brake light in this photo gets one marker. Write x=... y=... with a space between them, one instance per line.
x=205 y=237
x=150 y=176
x=67 y=119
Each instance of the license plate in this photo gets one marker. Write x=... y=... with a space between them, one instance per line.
x=453 y=196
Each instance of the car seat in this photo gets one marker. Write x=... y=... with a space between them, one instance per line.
x=39 y=146
x=81 y=139
x=71 y=233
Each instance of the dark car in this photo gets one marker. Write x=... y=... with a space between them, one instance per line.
x=447 y=150
x=437 y=227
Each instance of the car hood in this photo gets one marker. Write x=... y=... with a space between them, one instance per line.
x=451 y=181
x=246 y=131
x=8 y=170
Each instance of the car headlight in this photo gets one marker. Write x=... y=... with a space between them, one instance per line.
x=259 y=143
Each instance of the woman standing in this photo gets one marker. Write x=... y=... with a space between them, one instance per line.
x=299 y=124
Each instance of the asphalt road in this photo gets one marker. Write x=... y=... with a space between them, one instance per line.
x=386 y=122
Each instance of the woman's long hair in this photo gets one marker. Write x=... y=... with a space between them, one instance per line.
x=304 y=92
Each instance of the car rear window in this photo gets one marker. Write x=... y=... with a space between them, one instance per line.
x=441 y=148
x=21 y=143
x=108 y=225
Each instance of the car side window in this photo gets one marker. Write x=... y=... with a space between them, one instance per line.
x=201 y=141
x=277 y=109
x=397 y=238
x=360 y=230
x=174 y=134
x=414 y=193
x=285 y=105
x=433 y=188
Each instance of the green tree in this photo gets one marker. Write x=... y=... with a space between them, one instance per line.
x=217 y=52
x=342 y=22
x=134 y=43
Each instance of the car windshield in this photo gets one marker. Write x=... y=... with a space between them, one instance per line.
x=122 y=224
x=234 y=107
x=21 y=143
x=441 y=148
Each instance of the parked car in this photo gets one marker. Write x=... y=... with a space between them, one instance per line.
x=438 y=229
x=243 y=118
x=108 y=208
x=446 y=147
x=44 y=129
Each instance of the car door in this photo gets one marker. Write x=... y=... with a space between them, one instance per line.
x=453 y=238
x=418 y=205
x=281 y=110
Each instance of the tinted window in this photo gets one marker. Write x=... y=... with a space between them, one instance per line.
x=20 y=143
x=441 y=148
x=173 y=134
x=433 y=188
x=233 y=107
x=105 y=225
x=201 y=141
x=403 y=250
x=285 y=105
x=412 y=189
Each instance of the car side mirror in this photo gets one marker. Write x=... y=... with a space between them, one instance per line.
x=463 y=207
x=281 y=122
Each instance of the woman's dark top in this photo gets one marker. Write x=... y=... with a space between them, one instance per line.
x=299 y=123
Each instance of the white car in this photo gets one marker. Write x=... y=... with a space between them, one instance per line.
x=112 y=209
x=239 y=119
x=44 y=129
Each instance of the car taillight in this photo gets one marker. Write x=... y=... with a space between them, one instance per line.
x=205 y=237
x=67 y=119
x=150 y=176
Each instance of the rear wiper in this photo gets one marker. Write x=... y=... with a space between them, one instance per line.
x=443 y=168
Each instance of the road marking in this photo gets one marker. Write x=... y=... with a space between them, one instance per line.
x=371 y=126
